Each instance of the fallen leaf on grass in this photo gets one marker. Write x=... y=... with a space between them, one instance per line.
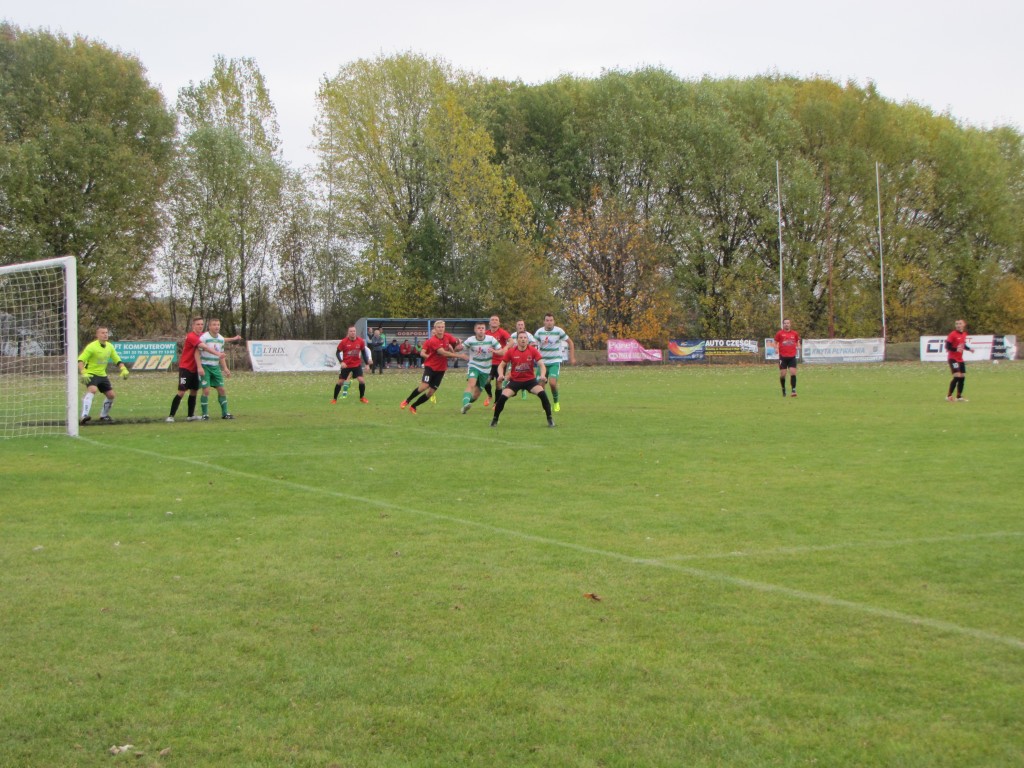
x=592 y=596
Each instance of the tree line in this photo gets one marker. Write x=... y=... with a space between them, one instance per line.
x=635 y=204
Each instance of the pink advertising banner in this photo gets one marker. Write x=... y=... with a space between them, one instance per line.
x=630 y=351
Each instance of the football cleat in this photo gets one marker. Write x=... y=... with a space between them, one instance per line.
x=466 y=407
x=194 y=418
x=950 y=398
x=227 y=416
x=494 y=422
x=557 y=407
x=344 y=394
x=487 y=401
x=169 y=419
x=793 y=393
x=87 y=419
x=433 y=399
x=404 y=403
x=334 y=402
x=106 y=420
x=962 y=400
x=205 y=417
x=363 y=400
x=412 y=410
x=551 y=422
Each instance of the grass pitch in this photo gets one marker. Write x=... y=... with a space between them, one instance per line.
x=690 y=570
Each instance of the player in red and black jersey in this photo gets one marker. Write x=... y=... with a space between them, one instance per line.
x=787 y=342
x=518 y=369
x=436 y=350
x=351 y=352
x=956 y=343
x=502 y=336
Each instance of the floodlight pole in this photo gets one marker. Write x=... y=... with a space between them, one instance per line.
x=778 y=193
x=881 y=261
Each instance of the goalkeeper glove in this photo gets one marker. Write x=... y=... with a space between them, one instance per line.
x=85 y=377
x=125 y=373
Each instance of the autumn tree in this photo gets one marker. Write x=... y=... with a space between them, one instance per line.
x=418 y=200
x=612 y=275
x=296 y=242
x=86 y=144
x=227 y=197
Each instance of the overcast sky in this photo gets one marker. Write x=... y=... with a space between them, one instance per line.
x=961 y=58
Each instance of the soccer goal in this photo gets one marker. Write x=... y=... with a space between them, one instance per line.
x=38 y=348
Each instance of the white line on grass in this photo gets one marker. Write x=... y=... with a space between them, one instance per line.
x=721 y=578
x=869 y=543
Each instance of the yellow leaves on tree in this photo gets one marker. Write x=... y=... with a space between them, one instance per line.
x=1007 y=311
x=612 y=275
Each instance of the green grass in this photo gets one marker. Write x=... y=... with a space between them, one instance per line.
x=828 y=580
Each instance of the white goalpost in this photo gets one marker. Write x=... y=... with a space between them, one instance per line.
x=39 y=348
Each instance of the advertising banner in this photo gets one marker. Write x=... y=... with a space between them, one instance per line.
x=284 y=356
x=686 y=350
x=1004 y=347
x=630 y=351
x=843 y=350
x=730 y=347
x=147 y=355
x=933 y=348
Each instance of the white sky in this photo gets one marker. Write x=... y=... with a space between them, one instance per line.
x=963 y=58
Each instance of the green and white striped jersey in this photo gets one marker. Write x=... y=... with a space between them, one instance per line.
x=215 y=342
x=550 y=343
x=481 y=352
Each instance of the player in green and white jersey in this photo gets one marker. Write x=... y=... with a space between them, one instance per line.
x=550 y=339
x=92 y=369
x=214 y=369
x=480 y=349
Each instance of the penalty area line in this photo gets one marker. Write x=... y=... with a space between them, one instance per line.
x=696 y=573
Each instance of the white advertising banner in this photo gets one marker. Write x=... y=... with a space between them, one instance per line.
x=283 y=356
x=843 y=350
x=933 y=348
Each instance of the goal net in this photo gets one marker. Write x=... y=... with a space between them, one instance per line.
x=38 y=349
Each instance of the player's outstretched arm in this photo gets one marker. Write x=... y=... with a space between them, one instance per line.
x=207 y=348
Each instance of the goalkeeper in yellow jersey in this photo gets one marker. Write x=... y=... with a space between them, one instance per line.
x=92 y=369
